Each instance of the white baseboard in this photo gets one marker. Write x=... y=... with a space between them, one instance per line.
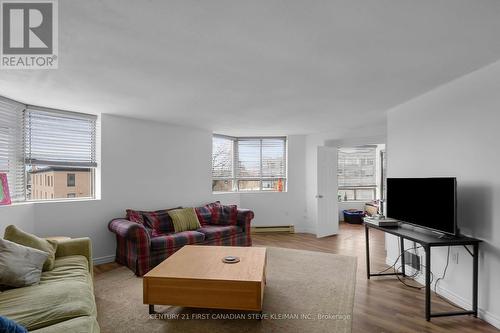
x=103 y=260
x=462 y=302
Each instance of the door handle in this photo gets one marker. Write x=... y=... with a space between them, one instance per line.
x=319 y=196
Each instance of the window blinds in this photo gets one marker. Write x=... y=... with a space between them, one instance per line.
x=261 y=158
x=248 y=157
x=273 y=158
x=356 y=167
x=11 y=146
x=222 y=157
x=58 y=138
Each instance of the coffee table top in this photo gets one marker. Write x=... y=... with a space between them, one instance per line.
x=205 y=262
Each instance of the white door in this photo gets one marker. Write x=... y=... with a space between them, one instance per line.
x=328 y=216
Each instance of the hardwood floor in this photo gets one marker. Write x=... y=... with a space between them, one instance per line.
x=382 y=305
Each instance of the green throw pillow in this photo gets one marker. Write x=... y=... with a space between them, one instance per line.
x=18 y=236
x=184 y=219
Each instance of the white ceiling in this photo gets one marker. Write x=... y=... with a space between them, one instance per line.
x=258 y=66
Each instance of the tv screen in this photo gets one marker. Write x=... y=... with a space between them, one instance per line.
x=424 y=202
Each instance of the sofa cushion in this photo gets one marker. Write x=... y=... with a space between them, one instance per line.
x=68 y=268
x=175 y=240
x=87 y=324
x=20 y=265
x=18 y=236
x=63 y=294
x=213 y=232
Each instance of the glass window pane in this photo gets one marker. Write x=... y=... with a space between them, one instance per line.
x=222 y=185
x=273 y=158
x=365 y=194
x=55 y=182
x=222 y=157
x=248 y=158
x=346 y=195
x=249 y=185
x=277 y=185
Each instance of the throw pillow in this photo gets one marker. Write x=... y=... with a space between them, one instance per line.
x=18 y=236
x=20 y=265
x=228 y=215
x=159 y=221
x=204 y=215
x=214 y=212
x=134 y=216
x=184 y=219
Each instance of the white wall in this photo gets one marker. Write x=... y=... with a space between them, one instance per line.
x=453 y=131
x=21 y=215
x=286 y=208
x=145 y=165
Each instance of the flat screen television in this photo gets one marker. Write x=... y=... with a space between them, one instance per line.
x=424 y=202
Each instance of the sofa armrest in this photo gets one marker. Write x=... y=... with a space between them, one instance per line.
x=75 y=246
x=131 y=231
x=244 y=218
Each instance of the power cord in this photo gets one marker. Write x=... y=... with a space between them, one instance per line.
x=444 y=272
x=442 y=278
x=415 y=274
x=397 y=258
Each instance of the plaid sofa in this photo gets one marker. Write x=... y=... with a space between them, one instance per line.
x=140 y=250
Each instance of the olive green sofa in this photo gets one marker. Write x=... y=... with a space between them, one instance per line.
x=63 y=301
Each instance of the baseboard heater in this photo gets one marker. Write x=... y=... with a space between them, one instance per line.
x=274 y=229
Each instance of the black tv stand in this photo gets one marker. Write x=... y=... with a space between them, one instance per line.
x=428 y=241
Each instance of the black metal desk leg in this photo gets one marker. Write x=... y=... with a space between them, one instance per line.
x=402 y=245
x=475 y=264
x=367 y=242
x=428 y=283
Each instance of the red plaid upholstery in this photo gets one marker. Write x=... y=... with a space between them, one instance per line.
x=204 y=215
x=139 y=251
x=132 y=245
x=216 y=232
x=134 y=216
x=158 y=220
x=178 y=239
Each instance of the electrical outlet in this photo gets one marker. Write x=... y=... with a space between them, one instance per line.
x=454 y=258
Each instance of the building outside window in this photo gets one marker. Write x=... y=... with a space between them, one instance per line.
x=242 y=164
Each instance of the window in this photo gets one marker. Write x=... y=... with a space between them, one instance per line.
x=249 y=164
x=71 y=195
x=70 y=180
x=41 y=145
x=357 y=174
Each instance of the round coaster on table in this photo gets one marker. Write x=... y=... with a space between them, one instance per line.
x=230 y=259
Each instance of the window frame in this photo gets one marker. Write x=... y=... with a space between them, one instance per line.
x=261 y=179
x=45 y=180
x=71 y=176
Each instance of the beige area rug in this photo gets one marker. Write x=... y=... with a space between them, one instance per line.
x=306 y=292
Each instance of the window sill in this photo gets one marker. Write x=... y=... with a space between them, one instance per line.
x=24 y=203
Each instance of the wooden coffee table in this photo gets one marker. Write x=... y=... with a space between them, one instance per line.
x=195 y=276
